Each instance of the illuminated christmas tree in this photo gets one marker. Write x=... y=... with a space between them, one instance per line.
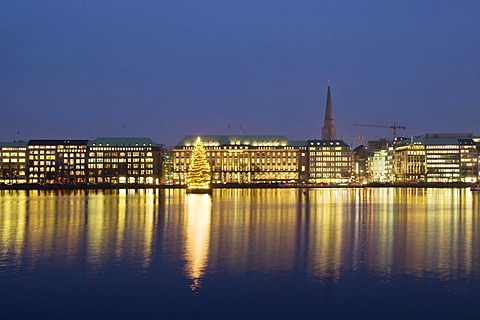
x=199 y=173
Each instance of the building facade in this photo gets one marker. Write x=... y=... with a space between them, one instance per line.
x=123 y=161
x=410 y=163
x=450 y=157
x=101 y=161
x=13 y=162
x=330 y=161
x=437 y=158
x=71 y=162
x=245 y=159
x=57 y=161
x=432 y=158
x=378 y=166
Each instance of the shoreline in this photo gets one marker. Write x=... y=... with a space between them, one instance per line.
x=230 y=186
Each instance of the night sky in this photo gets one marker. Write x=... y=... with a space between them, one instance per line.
x=166 y=69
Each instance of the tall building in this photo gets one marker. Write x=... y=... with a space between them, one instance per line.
x=328 y=131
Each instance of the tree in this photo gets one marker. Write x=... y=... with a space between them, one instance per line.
x=199 y=172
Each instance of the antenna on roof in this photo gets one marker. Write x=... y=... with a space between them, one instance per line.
x=241 y=130
x=228 y=131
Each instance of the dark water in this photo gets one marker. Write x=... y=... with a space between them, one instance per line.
x=253 y=253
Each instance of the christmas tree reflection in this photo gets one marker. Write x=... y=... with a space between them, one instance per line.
x=197 y=244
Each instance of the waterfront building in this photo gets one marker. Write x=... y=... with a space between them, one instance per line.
x=410 y=162
x=360 y=160
x=377 y=166
x=13 y=166
x=476 y=141
x=380 y=161
x=245 y=158
x=41 y=161
x=330 y=161
x=71 y=162
x=56 y=161
x=468 y=160
x=124 y=160
x=450 y=157
x=389 y=164
x=437 y=157
x=167 y=165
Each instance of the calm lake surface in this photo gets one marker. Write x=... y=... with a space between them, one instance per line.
x=240 y=253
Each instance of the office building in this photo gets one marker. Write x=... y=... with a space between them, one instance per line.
x=330 y=161
x=123 y=161
x=13 y=162
x=56 y=161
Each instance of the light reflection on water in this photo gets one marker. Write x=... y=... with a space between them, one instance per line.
x=241 y=253
x=197 y=237
x=320 y=232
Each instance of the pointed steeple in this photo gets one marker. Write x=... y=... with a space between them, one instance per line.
x=328 y=131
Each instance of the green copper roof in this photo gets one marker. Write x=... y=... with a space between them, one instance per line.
x=298 y=143
x=13 y=144
x=432 y=140
x=219 y=140
x=127 y=141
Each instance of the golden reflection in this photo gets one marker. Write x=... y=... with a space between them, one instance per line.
x=13 y=222
x=197 y=237
x=149 y=223
x=121 y=228
x=67 y=228
x=331 y=232
x=255 y=229
x=322 y=232
x=98 y=231
x=417 y=231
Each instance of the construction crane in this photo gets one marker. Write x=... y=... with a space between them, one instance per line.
x=394 y=127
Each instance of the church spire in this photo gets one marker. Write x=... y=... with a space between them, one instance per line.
x=328 y=130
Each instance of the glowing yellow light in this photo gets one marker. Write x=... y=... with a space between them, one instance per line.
x=198 y=220
x=199 y=172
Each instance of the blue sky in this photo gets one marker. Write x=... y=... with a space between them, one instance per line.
x=166 y=69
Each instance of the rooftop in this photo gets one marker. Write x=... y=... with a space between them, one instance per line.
x=340 y=143
x=13 y=144
x=219 y=140
x=56 y=142
x=125 y=141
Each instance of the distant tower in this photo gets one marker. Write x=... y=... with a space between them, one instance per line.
x=328 y=131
